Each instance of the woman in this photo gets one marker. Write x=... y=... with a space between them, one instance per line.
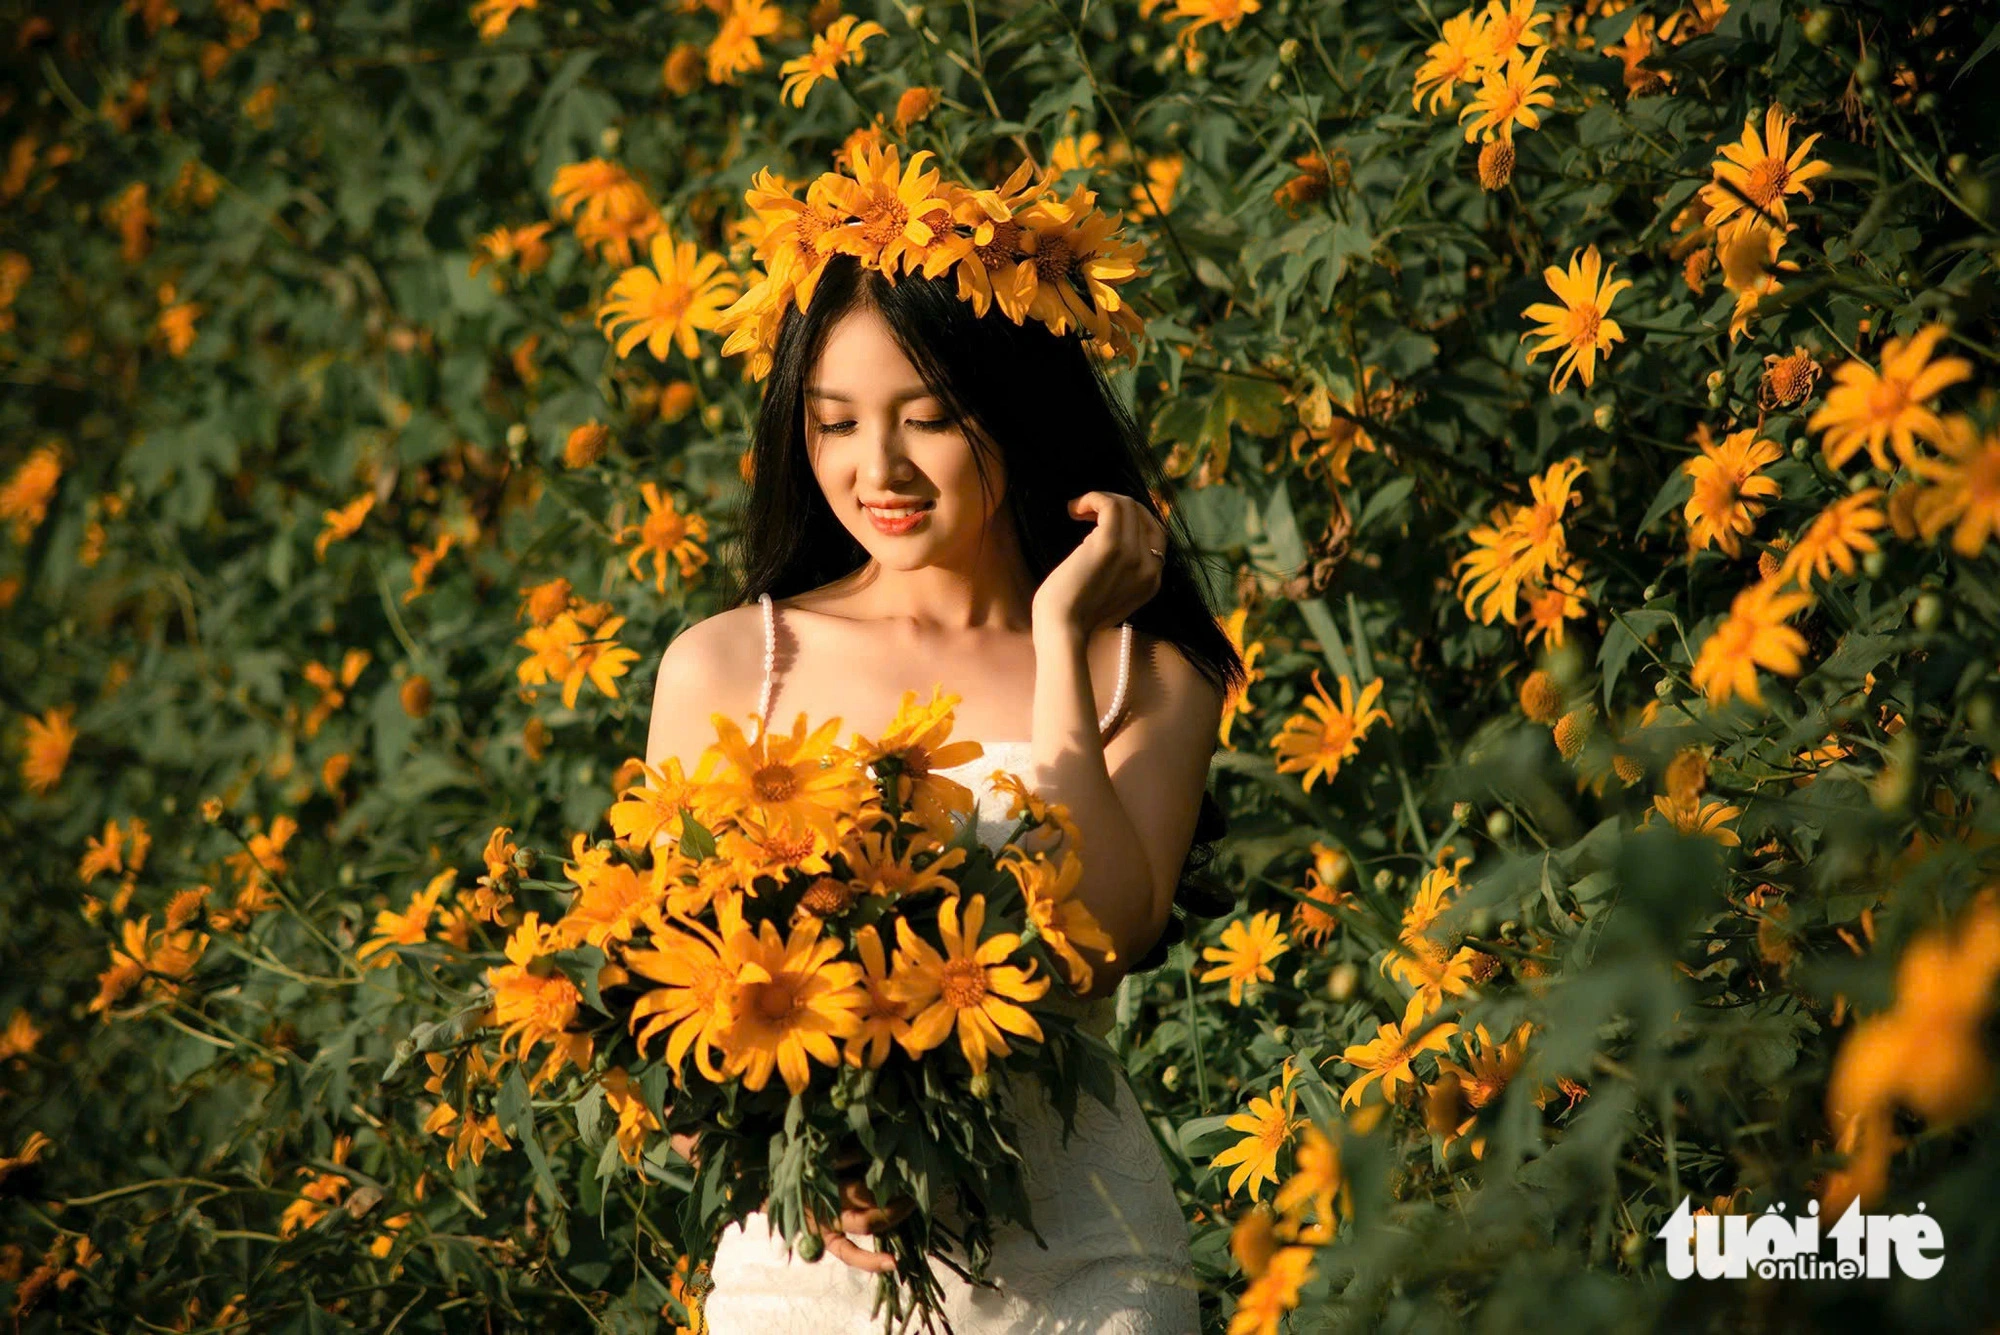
x=1028 y=536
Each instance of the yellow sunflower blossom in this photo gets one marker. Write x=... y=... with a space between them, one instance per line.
x=1961 y=490
x=1488 y=1069
x=1505 y=28
x=1762 y=171
x=1267 y=1126
x=1864 y=407
x=968 y=985
x=841 y=44
x=734 y=50
x=681 y=293
x=411 y=927
x=694 y=966
x=45 y=754
x=665 y=534
x=883 y=1017
x=1246 y=953
x=1729 y=489
x=1582 y=326
x=1449 y=60
x=1334 y=733
x=1834 y=538
x=789 y=999
x=343 y=523
x=897 y=209
x=1317 y=1188
x=24 y=500
x=1388 y=1056
x=1509 y=97
x=493 y=16
x=1752 y=635
x=1062 y=921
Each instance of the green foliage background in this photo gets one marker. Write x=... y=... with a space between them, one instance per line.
x=343 y=347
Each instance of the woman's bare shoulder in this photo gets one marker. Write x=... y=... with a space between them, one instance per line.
x=716 y=649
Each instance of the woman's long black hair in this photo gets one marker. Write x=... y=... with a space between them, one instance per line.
x=1042 y=400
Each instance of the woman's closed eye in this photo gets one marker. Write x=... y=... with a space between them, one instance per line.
x=842 y=428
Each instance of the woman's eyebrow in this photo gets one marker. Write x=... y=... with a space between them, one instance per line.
x=900 y=396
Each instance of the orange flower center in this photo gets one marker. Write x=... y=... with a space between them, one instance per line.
x=773 y=1002
x=1888 y=399
x=1583 y=322
x=1052 y=260
x=827 y=896
x=775 y=783
x=1004 y=249
x=963 y=984
x=1766 y=182
x=884 y=218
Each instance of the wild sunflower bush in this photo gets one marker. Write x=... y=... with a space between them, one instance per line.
x=1594 y=402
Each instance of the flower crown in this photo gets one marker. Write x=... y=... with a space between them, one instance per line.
x=1017 y=246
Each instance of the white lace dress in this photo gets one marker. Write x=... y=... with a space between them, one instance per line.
x=1117 y=1261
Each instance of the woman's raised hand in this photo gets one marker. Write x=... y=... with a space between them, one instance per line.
x=1112 y=573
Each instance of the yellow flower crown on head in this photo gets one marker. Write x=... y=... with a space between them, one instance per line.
x=1017 y=246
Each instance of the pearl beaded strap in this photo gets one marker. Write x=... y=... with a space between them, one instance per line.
x=771 y=658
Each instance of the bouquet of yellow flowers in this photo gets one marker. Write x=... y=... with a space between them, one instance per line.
x=799 y=955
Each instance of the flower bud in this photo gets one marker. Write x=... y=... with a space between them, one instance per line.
x=1340 y=983
x=1500 y=824
x=1288 y=51
x=1927 y=611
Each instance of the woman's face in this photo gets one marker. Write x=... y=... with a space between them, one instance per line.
x=877 y=436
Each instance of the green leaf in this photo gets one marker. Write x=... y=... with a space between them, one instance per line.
x=1622 y=639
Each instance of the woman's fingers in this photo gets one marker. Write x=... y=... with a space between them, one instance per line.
x=848 y=1250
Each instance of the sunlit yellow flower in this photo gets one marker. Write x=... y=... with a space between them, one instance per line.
x=1485 y=1076
x=734 y=50
x=694 y=966
x=916 y=104
x=781 y=778
x=612 y=898
x=492 y=16
x=411 y=927
x=897 y=210
x=526 y=246
x=884 y=1018
x=1962 y=488
x=111 y=855
x=1317 y=1188
x=1237 y=704
x=533 y=1001
x=1760 y=170
x=1062 y=921
x=1075 y=270
x=1729 y=488
x=841 y=44
x=1273 y=1293
x=1834 y=538
x=343 y=523
x=789 y=1000
x=1747 y=251
x=1552 y=605
x=1267 y=1127
x=1225 y=14
x=24 y=500
x=684 y=291
x=1863 y=407
x=635 y=1119
x=1520 y=546
x=1449 y=60
x=1388 y=1056
x=563 y=650
x=1505 y=28
x=1314 y=918
x=1508 y=97
x=665 y=534
x=1582 y=326
x=969 y=985
x=1246 y=953
x=1690 y=815
x=1163 y=178
x=45 y=753
x=1334 y=733
x=175 y=324
x=1753 y=635
x=611 y=210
